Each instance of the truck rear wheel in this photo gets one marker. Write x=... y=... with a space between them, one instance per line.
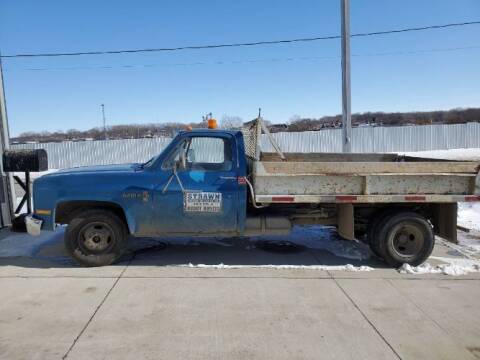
x=405 y=238
x=96 y=238
x=372 y=235
x=373 y=229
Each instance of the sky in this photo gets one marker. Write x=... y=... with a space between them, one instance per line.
x=417 y=71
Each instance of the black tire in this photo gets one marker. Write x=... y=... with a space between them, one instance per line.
x=96 y=238
x=374 y=225
x=405 y=238
x=371 y=234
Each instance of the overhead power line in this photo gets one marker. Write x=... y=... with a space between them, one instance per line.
x=246 y=61
x=256 y=43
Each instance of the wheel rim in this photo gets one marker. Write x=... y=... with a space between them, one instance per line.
x=407 y=240
x=96 y=238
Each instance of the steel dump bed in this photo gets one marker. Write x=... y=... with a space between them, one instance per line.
x=362 y=178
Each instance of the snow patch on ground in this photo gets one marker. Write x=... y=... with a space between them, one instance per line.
x=469 y=243
x=347 y=267
x=446 y=269
x=457 y=260
x=469 y=217
x=453 y=267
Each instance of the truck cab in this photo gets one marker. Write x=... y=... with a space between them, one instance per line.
x=195 y=186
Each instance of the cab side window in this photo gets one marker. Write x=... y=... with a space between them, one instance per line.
x=209 y=154
x=201 y=153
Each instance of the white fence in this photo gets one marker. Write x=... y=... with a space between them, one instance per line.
x=70 y=154
x=382 y=139
x=364 y=139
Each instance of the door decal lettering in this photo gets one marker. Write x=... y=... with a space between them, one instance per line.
x=209 y=202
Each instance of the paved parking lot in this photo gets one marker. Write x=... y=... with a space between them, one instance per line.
x=169 y=301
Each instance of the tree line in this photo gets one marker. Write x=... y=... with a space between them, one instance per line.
x=296 y=123
x=454 y=116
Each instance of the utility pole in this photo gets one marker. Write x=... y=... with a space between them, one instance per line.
x=8 y=187
x=4 y=135
x=104 y=123
x=346 y=92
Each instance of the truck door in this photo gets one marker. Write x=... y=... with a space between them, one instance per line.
x=201 y=191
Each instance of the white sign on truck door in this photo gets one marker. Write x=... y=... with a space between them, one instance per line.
x=210 y=202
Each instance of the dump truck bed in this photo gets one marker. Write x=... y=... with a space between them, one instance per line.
x=363 y=178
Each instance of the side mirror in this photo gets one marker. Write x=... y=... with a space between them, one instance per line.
x=182 y=161
x=174 y=166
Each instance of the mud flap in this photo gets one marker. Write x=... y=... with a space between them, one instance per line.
x=345 y=221
x=445 y=221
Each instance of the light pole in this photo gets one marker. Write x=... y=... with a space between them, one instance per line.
x=346 y=102
x=7 y=209
x=104 y=123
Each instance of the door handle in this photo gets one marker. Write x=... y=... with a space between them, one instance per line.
x=228 y=177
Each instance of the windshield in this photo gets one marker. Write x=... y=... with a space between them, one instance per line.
x=153 y=159
x=146 y=164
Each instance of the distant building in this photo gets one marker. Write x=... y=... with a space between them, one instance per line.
x=278 y=128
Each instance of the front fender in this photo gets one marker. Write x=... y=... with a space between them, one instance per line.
x=66 y=207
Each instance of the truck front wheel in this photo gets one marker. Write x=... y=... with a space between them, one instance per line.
x=96 y=238
x=405 y=238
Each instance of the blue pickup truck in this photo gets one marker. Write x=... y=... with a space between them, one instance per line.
x=205 y=182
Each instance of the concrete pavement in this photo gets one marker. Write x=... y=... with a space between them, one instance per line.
x=150 y=306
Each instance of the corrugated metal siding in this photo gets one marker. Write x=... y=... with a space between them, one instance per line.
x=307 y=141
x=364 y=139
x=381 y=139
x=70 y=154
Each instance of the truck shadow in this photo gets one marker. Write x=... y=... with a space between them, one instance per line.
x=305 y=246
